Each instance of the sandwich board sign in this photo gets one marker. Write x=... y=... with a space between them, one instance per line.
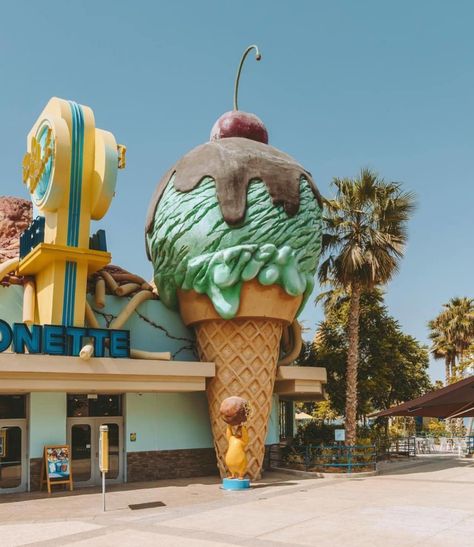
x=56 y=468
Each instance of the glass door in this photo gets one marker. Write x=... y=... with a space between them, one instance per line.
x=81 y=452
x=13 y=464
x=83 y=436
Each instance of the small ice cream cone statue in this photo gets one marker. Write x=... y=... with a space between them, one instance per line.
x=234 y=235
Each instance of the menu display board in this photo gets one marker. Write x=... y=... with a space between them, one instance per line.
x=56 y=468
x=58 y=462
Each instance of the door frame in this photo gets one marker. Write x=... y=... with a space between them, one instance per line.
x=22 y=423
x=94 y=423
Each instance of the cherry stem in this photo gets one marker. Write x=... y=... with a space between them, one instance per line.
x=257 y=58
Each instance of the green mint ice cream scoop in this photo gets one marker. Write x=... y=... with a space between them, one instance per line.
x=230 y=211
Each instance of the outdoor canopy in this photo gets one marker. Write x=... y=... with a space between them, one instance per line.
x=453 y=401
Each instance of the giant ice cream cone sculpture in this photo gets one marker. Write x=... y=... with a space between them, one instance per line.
x=234 y=234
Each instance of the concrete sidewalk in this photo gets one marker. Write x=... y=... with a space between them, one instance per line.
x=429 y=502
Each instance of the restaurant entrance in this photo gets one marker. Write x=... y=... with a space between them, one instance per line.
x=83 y=425
x=13 y=443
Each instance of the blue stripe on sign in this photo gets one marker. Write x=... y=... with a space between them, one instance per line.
x=68 y=309
x=69 y=294
x=72 y=177
x=77 y=153
x=66 y=294
x=79 y=173
x=73 y=293
x=70 y=289
x=80 y=169
x=75 y=191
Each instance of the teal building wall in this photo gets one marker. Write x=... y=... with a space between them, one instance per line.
x=11 y=303
x=167 y=421
x=47 y=421
x=153 y=327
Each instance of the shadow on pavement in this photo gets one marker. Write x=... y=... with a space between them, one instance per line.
x=270 y=479
x=424 y=464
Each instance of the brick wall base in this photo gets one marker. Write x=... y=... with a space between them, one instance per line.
x=173 y=464
x=272 y=456
x=170 y=464
x=35 y=473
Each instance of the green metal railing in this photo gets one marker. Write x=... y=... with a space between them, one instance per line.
x=340 y=458
x=405 y=446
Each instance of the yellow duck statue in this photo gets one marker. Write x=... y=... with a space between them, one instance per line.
x=235 y=411
x=236 y=458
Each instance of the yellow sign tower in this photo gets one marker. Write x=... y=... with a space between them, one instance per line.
x=70 y=169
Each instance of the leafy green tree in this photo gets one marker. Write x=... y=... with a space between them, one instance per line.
x=392 y=365
x=324 y=412
x=364 y=239
x=437 y=428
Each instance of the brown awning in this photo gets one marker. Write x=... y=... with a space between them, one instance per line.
x=453 y=401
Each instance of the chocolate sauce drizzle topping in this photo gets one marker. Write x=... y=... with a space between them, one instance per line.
x=233 y=163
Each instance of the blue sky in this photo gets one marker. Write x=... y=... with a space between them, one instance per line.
x=341 y=85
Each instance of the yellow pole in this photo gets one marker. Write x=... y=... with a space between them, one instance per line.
x=103 y=457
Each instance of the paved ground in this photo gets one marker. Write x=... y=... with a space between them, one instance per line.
x=427 y=503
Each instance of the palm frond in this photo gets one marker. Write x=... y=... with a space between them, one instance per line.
x=365 y=230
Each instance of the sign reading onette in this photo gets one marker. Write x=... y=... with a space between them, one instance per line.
x=61 y=340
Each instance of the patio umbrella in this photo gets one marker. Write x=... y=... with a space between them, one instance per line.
x=453 y=401
x=303 y=416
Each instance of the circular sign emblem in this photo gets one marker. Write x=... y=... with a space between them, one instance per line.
x=38 y=162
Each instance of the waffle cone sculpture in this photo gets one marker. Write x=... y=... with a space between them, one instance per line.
x=245 y=351
x=234 y=235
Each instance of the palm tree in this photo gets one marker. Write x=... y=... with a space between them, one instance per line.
x=364 y=240
x=452 y=333
x=460 y=313
x=442 y=346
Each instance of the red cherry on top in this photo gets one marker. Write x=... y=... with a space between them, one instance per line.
x=237 y=123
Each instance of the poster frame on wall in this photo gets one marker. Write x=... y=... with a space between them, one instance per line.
x=3 y=442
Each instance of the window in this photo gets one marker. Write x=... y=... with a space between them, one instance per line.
x=12 y=406
x=83 y=405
